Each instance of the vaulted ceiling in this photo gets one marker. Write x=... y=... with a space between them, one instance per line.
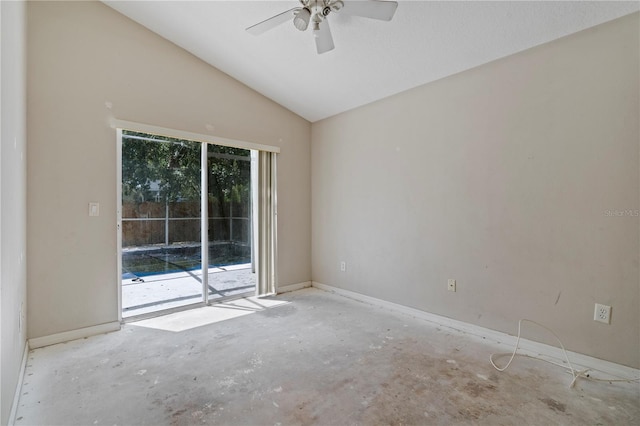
x=425 y=41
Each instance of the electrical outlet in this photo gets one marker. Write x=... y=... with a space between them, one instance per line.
x=451 y=285
x=602 y=313
x=343 y=266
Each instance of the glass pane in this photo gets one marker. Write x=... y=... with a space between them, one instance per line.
x=230 y=236
x=161 y=244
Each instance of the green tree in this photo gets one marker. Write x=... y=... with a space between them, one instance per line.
x=174 y=166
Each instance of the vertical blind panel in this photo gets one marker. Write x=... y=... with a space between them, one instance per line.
x=267 y=223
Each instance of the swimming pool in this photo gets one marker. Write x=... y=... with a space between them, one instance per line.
x=155 y=260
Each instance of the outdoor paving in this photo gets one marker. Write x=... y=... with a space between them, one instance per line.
x=165 y=291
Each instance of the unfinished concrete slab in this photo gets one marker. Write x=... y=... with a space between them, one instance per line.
x=317 y=358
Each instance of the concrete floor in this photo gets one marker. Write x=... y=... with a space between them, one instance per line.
x=319 y=359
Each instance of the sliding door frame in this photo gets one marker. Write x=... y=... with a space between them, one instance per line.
x=205 y=140
x=119 y=217
x=204 y=220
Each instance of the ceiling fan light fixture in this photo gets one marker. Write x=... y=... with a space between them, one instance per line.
x=301 y=21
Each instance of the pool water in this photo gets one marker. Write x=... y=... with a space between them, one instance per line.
x=164 y=260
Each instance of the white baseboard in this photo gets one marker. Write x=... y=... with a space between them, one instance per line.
x=16 y=396
x=293 y=287
x=67 y=336
x=526 y=347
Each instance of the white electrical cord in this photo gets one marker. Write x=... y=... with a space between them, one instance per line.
x=575 y=373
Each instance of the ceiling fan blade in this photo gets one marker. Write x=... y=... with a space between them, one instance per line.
x=382 y=10
x=324 y=39
x=272 y=22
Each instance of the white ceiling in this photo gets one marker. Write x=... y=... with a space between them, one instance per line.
x=425 y=41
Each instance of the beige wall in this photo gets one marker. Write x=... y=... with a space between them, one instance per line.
x=499 y=177
x=13 y=199
x=82 y=55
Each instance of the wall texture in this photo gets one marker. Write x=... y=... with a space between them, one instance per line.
x=13 y=199
x=87 y=63
x=519 y=178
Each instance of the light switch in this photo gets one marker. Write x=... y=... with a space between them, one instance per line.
x=94 y=209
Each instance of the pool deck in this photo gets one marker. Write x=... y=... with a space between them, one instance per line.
x=172 y=290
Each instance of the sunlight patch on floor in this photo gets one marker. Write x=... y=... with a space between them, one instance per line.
x=186 y=320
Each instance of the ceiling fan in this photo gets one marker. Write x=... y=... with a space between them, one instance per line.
x=316 y=13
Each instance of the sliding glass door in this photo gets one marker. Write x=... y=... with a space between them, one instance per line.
x=171 y=188
x=231 y=270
